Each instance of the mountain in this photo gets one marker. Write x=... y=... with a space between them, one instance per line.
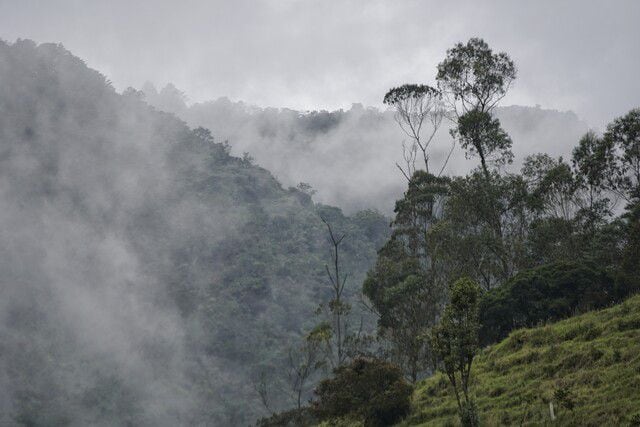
x=348 y=156
x=587 y=366
x=147 y=275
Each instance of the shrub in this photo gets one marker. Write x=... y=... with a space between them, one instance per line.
x=292 y=418
x=547 y=293
x=563 y=395
x=369 y=389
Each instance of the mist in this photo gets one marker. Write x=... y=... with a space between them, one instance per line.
x=314 y=55
x=143 y=264
x=94 y=211
x=349 y=156
x=158 y=255
x=76 y=176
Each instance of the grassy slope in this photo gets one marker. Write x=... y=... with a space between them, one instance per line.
x=596 y=356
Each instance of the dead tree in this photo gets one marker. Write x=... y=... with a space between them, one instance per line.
x=338 y=308
x=260 y=386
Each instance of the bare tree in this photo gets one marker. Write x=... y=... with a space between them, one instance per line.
x=260 y=386
x=338 y=308
x=419 y=113
x=409 y=154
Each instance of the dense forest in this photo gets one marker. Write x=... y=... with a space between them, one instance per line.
x=149 y=277
x=154 y=273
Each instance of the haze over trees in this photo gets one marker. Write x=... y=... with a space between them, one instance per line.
x=360 y=144
x=472 y=258
x=148 y=276
x=154 y=274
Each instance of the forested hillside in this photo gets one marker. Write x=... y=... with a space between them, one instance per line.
x=148 y=276
x=154 y=274
x=474 y=257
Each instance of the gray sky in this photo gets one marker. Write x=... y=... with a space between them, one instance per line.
x=308 y=54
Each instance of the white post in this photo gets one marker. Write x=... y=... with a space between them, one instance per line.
x=553 y=415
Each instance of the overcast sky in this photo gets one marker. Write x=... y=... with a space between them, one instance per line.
x=306 y=54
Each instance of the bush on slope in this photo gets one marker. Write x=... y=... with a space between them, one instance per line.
x=592 y=359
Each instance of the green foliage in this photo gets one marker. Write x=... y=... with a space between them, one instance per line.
x=475 y=76
x=405 y=287
x=622 y=139
x=455 y=344
x=544 y=243
x=482 y=230
x=238 y=261
x=591 y=160
x=408 y=91
x=631 y=253
x=547 y=293
x=406 y=310
x=475 y=79
x=481 y=136
x=292 y=418
x=370 y=390
x=552 y=186
x=515 y=379
x=418 y=209
x=564 y=397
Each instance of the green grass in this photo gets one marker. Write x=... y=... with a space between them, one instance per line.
x=594 y=356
